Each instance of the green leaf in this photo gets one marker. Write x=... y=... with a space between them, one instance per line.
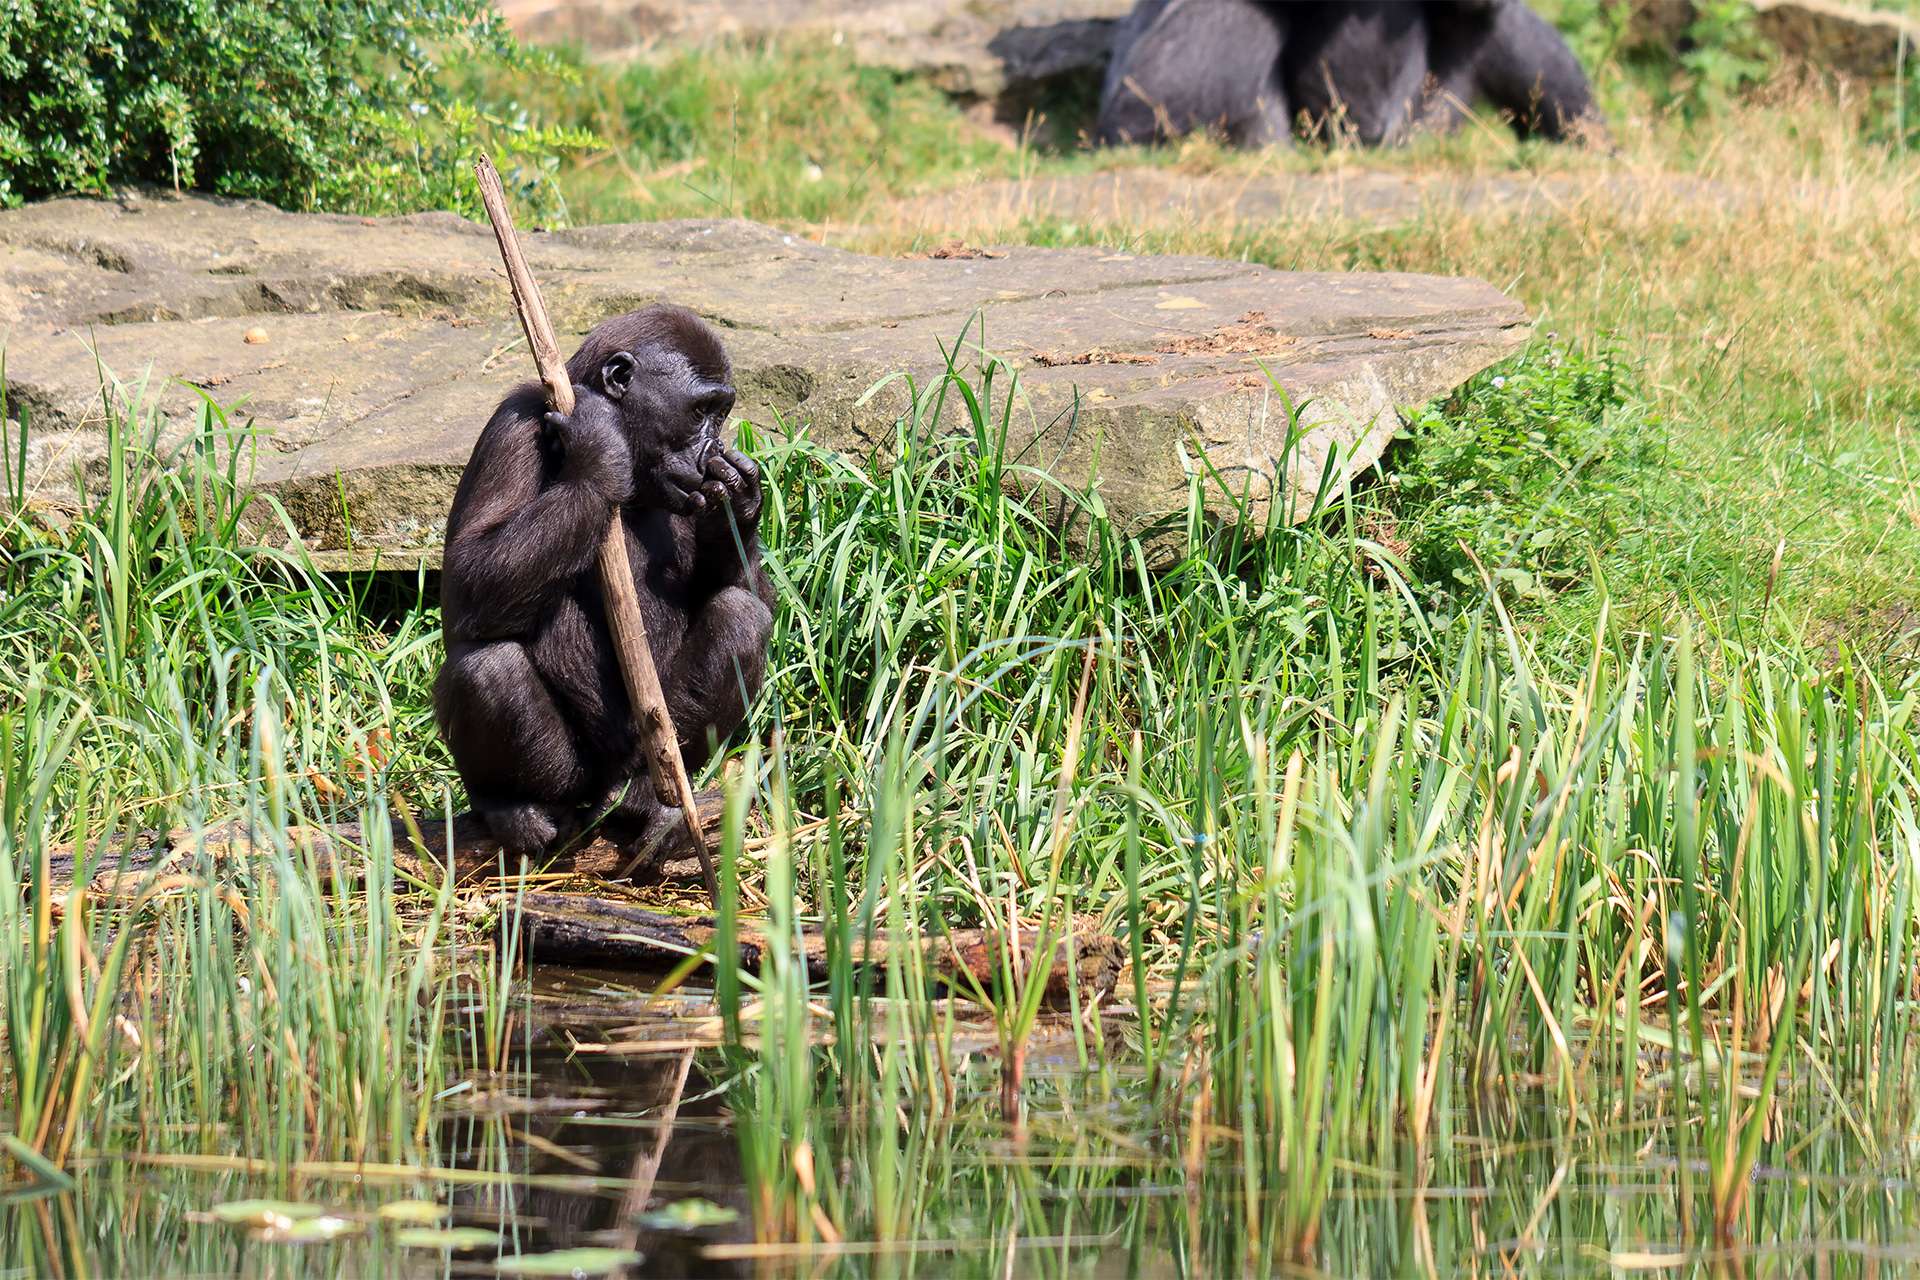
x=567 y=1262
x=327 y=1226
x=412 y=1211
x=689 y=1215
x=41 y=1167
x=446 y=1238
x=265 y=1214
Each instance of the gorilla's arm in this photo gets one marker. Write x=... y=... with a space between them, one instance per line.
x=1526 y=70
x=516 y=536
x=1181 y=65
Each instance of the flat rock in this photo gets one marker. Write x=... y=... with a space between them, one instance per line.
x=983 y=49
x=368 y=353
x=1866 y=43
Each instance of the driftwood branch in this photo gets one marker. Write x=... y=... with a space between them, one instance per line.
x=605 y=933
x=637 y=668
x=229 y=850
x=561 y=928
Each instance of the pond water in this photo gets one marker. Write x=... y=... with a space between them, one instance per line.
x=632 y=1163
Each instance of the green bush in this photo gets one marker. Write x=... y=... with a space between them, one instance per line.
x=1518 y=475
x=1723 y=57
x=306 y=103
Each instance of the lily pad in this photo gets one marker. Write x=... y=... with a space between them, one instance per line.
x=689 y=1215
x=567 y=1262
x=446 y=1238
x=422 y=1211
x=316 y=1230
x=265 y=1215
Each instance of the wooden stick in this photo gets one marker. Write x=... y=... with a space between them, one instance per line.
x=655 y=726
x=608 y=933
x=646 y=1165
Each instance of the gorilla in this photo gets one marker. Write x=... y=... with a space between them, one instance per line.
x=530 y=699
x=1379 y=68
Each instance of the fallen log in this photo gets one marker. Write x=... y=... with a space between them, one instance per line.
x=341 y=849
x=567 y=928
x=582 y=929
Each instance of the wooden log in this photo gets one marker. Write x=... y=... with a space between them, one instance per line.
x=566 y=928
x=642 y=678
x=230 y=849
x=581 y=929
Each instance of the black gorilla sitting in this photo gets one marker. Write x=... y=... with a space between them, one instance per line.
x=530 y=698
x=1380 y=68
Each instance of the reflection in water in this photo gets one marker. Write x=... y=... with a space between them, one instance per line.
x=573 y=1149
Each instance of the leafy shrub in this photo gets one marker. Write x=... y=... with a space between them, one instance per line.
x=1724 y=56
x=1597 y=31
x=1523 y=470
x=306 y=103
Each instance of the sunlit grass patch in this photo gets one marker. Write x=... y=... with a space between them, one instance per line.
x=758 y=133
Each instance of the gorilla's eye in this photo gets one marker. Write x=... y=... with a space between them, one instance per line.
x=715 y=403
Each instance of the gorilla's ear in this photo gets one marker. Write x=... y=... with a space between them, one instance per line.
x=616 y=375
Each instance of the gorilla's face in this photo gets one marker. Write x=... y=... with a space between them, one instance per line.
x=672 y=417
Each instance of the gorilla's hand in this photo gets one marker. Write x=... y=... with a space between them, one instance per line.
x=593 y=448
x=731 y=487
x=676 y=485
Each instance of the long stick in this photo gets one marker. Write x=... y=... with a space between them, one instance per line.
x=646 y=1166
x=662 y=745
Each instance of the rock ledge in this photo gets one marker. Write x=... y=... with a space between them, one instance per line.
x=369 y=352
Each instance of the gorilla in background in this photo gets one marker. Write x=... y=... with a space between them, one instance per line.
x=1382 y=68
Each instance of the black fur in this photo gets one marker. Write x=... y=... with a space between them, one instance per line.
x=530 y=698
x=1380 y=68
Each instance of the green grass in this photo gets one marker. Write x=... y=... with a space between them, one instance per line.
x=1395 y=897
x=167 y=674
x=739 y=133
x=1396 y=888
x=1782 y=427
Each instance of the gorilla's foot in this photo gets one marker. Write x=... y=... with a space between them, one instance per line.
x=649 y=844
x=526 y=830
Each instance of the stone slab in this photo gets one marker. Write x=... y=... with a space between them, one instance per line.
x=1852 y=40
x=380 y=346
x=1870 y=44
